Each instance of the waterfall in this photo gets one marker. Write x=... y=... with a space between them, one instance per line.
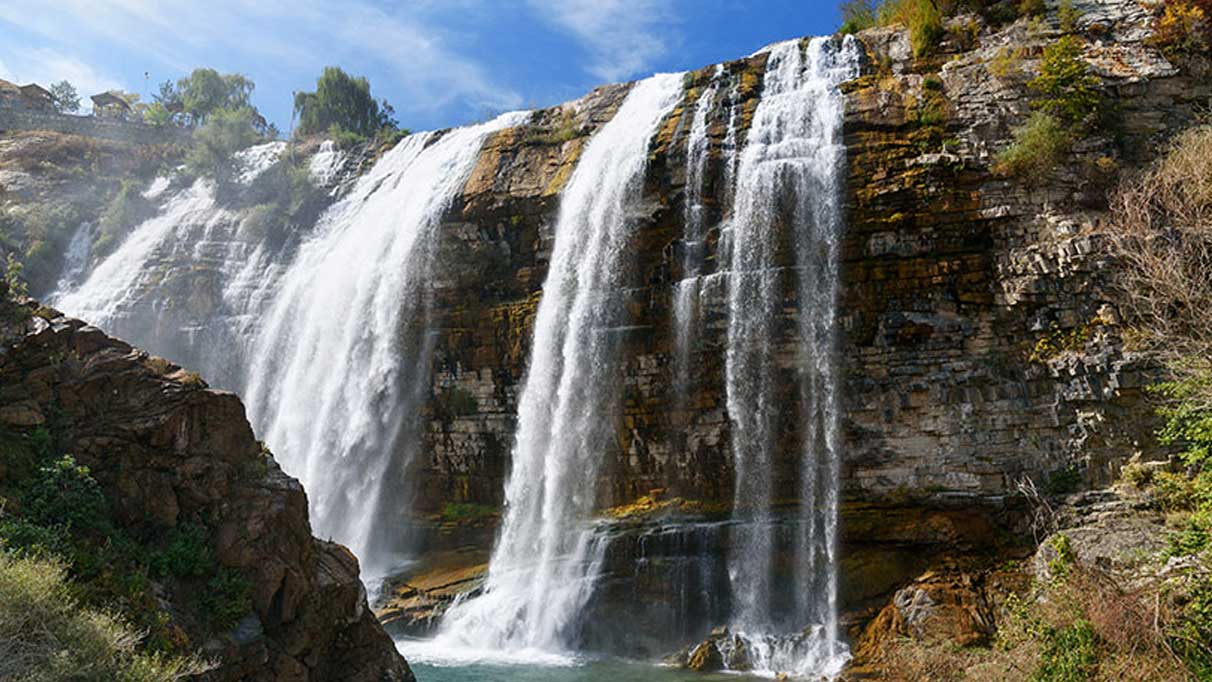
x=686 y=291
x=340 y=365
x=546 y=560
x=75 y=260
x=192 y=238
x=788 y=181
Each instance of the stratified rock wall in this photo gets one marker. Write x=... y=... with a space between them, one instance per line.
x=979 y=343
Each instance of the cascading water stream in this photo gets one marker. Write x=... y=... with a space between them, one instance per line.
x=128 y=292
x=340 y=367
x=686 y=291
x=788 y=180
x=546 y=560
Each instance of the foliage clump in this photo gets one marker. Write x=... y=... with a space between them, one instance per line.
x=47 y=635
x=1184 y=27
x=1065 y=88
x=923 y=18
x=1067 y=101
x=1039 y=145
x=55 y=509
x=213 y=154
x=343 y=107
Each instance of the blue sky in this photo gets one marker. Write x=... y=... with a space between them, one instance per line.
x=439 y=62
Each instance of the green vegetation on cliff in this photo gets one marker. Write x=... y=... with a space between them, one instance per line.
x=343 y=107
x=53 y=510
x=46 y=635
x=1067 y=101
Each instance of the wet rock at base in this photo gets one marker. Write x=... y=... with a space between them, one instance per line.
x=706 y=658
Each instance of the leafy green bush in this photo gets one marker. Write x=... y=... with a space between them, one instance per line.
x=1191 y=636
x=65 y=494
x=1038 y=146
x=1065 y=88
x=226 y=132
x=186 y=555
x=345 y=139
x=47 y=636
x=227 y=599
x=923 y=18
x=1069 y=654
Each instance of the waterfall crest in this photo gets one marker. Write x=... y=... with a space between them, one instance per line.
x=788 y=182
x=547 y=557
x=340 y=365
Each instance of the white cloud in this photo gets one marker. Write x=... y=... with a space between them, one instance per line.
x=46 y=66
x=624 y=37
x=295 y=37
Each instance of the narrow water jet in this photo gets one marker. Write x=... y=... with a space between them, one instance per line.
x=789 y=176
x=686 y=290
x=546 y=561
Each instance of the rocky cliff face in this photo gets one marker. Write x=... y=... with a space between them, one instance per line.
x=978 y=343
x=168 y=451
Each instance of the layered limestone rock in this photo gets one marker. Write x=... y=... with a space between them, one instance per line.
x=980 y=343
x=167 y=450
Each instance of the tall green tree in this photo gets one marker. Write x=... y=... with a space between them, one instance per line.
x=66 y=99
x=206 y=91
x=342 y=101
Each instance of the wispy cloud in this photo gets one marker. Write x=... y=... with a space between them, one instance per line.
x=292 y=38
x=623 y=37
x=47 y=66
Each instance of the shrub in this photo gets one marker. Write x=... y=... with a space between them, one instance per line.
x=46 y=635
x=227 y=599
x=1136 y=474
x=1160 y=232
x=923 y=18
x=345 y=139
x=1038 y=146
x=1065 y=88
x=226 y=132
x=1069 y=654
x=65 y=494
x=186 y=555
x=1184 y=27
x=1068 y=16
x=857 y=15
x=1190 y=635
x=15 y=285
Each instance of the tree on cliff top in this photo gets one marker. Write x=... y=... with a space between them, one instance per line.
x=344 y=102
x=204 y=92
x=66 y=99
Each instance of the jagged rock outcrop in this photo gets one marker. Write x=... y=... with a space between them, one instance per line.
x=167 y=449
